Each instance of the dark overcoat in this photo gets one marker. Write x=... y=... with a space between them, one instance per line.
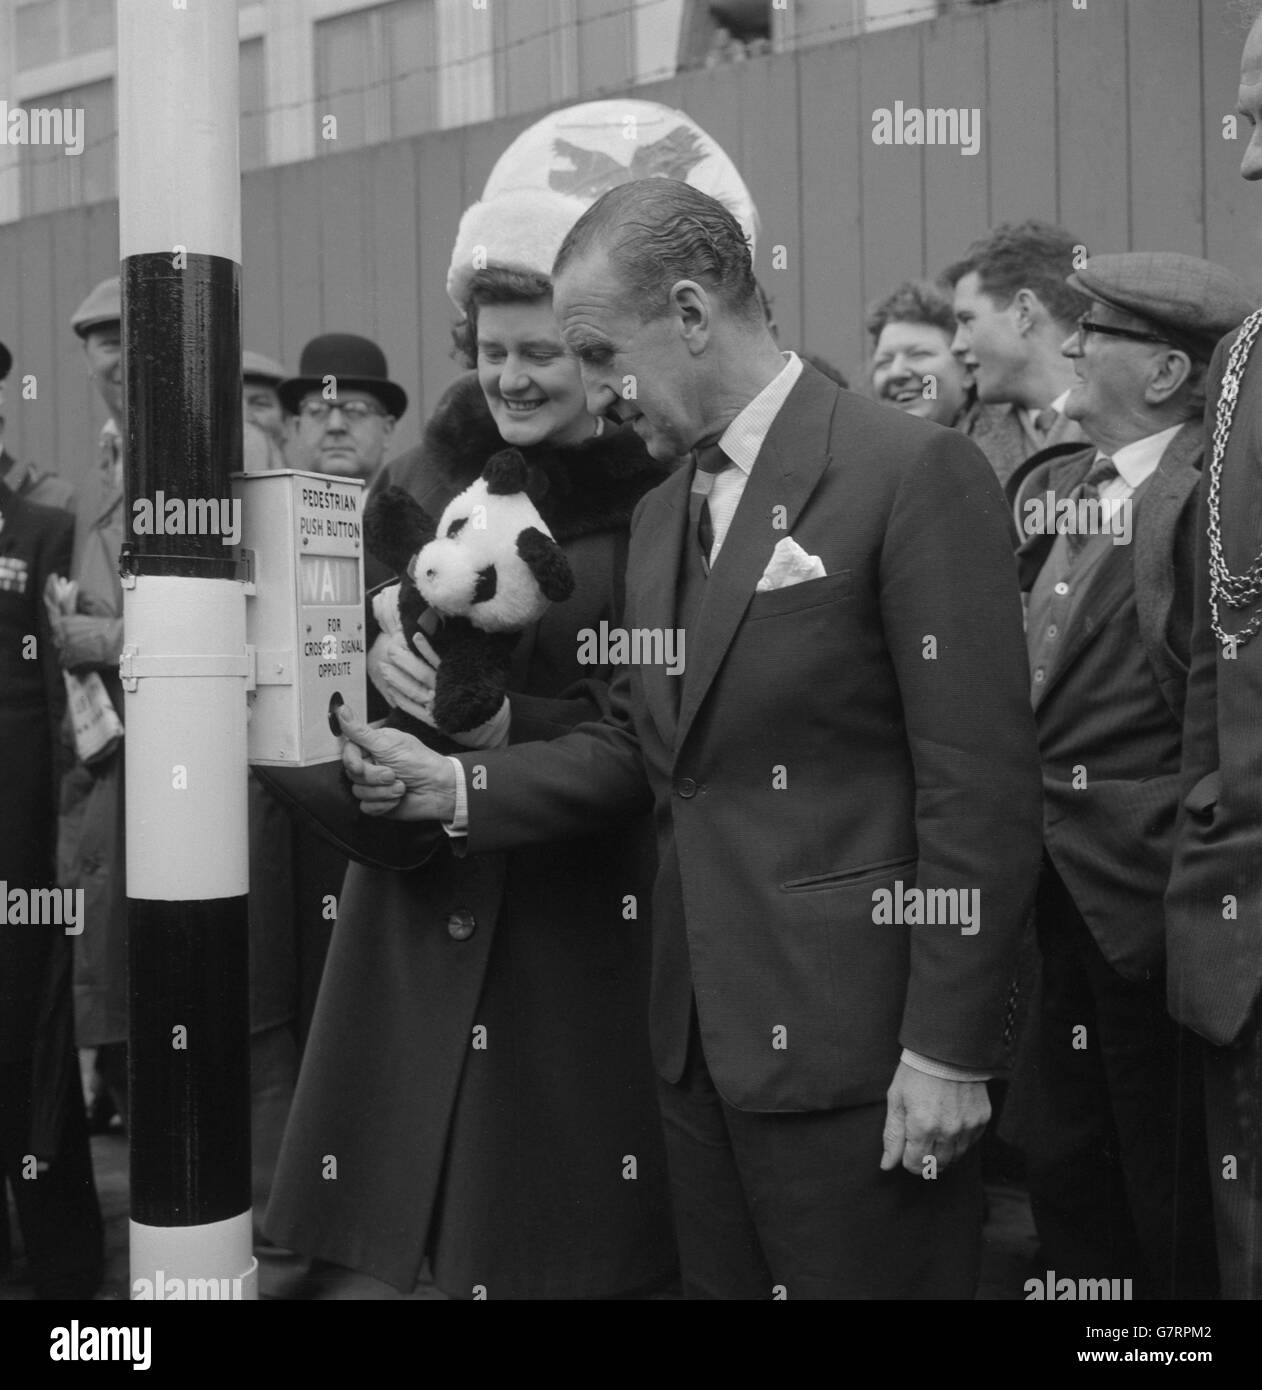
x=477 y=1082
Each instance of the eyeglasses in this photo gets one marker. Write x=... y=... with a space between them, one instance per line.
x=1086 y=325
x=355 y=411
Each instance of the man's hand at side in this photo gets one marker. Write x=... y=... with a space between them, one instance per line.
x=393 y=774
x=927 y=1115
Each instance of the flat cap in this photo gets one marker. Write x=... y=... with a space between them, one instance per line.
x=103 y=305
x=6 y=361
x=1195 y=301
x=256 y=366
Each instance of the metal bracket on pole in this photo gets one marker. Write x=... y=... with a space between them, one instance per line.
x=133 y=667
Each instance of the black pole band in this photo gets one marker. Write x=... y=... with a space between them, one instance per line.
x=183 y=393
x=188 y=1064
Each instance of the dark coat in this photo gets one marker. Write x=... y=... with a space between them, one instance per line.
x=1214 y=899
x=820 y=751
x=35 y=542
x=1112 y=839
x=90 y=850
x=526 y=1159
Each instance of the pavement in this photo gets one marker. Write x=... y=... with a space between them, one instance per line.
x=1009 y=1246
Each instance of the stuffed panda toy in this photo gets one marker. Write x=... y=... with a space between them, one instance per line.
x=489 y=568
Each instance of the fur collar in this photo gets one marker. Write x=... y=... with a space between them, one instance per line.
x=584 y=488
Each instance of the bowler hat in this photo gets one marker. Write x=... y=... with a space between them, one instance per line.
x=256 y=366
x=6 y=361
x=103 y=305
x=1195 y=301
x=355 y=363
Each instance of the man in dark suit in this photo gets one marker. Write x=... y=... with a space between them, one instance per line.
x=844 y=776
x=1108 y=1089
x=1214 y=901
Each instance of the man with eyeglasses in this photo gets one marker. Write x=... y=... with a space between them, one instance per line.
x=1106 y=1100
x=346 y=406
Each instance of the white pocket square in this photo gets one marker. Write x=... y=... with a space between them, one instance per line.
x=789 y=564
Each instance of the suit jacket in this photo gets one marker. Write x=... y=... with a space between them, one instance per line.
x=863 y=733
x=1112 y=839
x=1214 y=900
x=999 y=433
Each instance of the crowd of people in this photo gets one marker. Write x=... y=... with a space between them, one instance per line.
x=716 y=977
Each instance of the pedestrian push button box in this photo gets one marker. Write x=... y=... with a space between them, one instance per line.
x=302 y=536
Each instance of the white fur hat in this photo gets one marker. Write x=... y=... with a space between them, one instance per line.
x=518 y=230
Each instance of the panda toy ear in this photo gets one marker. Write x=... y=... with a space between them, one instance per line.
x=546 y=561
x=396 y=526
x=505 y=473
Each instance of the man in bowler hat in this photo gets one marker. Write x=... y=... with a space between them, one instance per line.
x=346 y=405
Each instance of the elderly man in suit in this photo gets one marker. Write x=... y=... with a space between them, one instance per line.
x=844 y=775
x=1111 y=1103
x=1214 y=901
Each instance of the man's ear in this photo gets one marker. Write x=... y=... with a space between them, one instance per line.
x=1031 y=311
x=691 y=304
x=1170 y=371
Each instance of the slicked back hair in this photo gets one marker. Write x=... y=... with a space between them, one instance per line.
x=1030 y=256
x=658 y=231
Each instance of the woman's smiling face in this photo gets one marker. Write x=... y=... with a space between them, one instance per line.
x=530 y=382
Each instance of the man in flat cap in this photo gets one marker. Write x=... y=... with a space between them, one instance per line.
x=346 y=406
x=1107 y=1094
x=1214 y=902
x=27 y=480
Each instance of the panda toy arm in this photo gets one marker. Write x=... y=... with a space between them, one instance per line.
x=547 y=562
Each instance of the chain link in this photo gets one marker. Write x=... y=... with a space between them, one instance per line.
x=1236 y=590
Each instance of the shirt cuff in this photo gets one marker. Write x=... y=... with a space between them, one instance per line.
x=942 y=1070
x=458 y=826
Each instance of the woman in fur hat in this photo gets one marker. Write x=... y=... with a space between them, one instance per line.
x=477 y=1087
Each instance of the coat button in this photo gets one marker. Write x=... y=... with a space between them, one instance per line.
x=461 y=924
x=686 y=787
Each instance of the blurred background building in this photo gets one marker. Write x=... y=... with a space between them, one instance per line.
x=1108 y=119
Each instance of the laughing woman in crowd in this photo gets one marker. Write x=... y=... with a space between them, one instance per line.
x=477 y=1076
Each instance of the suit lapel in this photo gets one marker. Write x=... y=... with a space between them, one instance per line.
x=656 y=570
x=790 y=464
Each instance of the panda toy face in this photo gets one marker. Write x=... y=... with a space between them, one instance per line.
x=492 y=559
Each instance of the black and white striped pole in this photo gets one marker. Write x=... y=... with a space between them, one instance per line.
x=184 y=664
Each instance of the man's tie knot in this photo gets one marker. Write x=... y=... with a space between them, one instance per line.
x=1046 y=419
x=709 y=458
x=1102 y=471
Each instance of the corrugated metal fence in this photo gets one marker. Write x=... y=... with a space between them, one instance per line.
x=1108 y=120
